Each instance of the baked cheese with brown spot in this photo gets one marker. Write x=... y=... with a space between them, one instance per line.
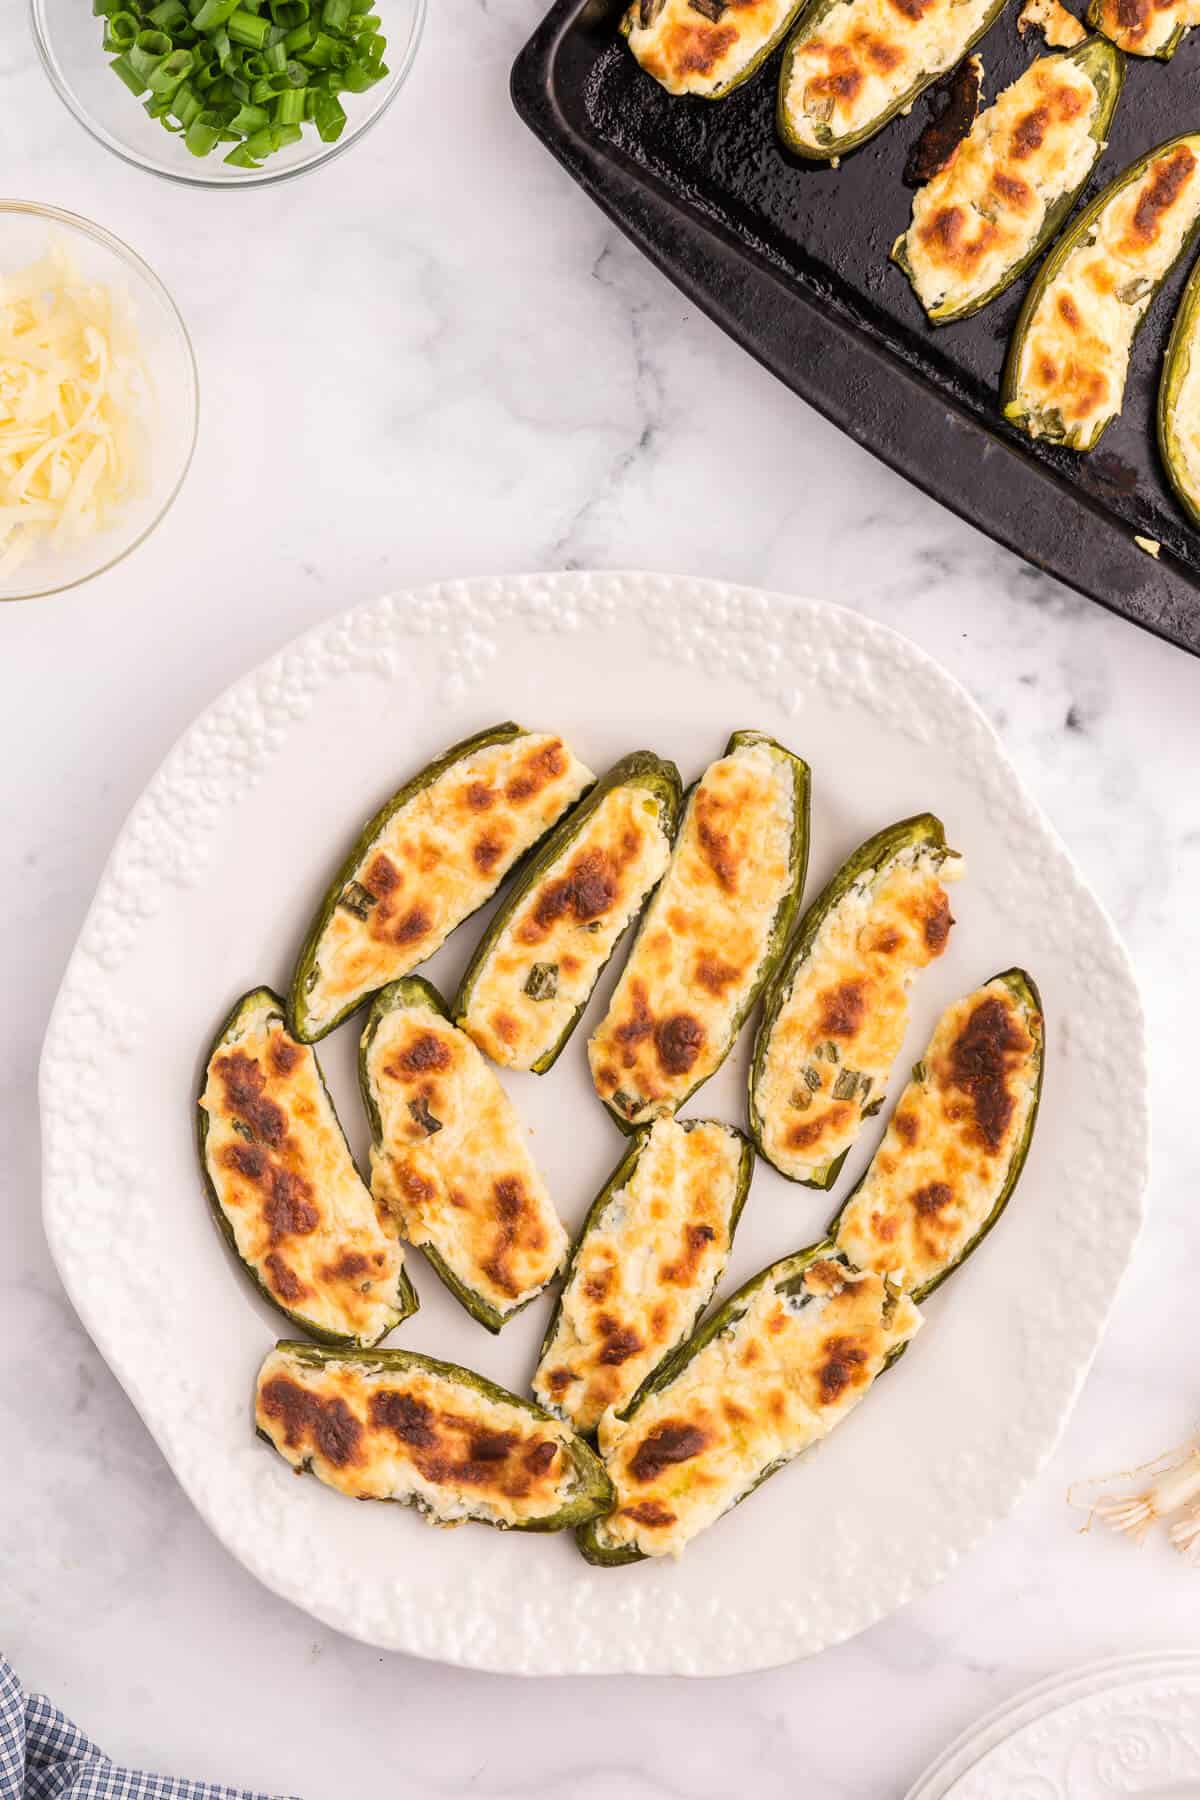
x=802 y=1356
x=983 y=212
x=543 y=966
x=1145 y=27
x=835 y=1037
x=417 y=1436
x=701 y=46
x=702 y=945
x=285 y=1181
x=945 y=1157
x=438 y=859
x=452 y=1164
x=1060 y=28
x=1073 y=355
x=643 y=1272
x=863 y=56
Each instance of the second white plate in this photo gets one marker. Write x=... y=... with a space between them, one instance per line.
x=207 y=893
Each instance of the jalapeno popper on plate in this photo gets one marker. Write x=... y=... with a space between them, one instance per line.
x=769 y=1375
x=644 y=1267
x=433 y=855
x=851 y=65
x=393 y=1425
x=1008 y=186
x=283 y=1186
x=956 y=1143
x=449 y=1158
x=705 y=47
x=1064 y=378
x=835 y=1014
x=533 y=972
x=711 y=935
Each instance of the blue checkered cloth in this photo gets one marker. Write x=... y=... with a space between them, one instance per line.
x=44 y=1757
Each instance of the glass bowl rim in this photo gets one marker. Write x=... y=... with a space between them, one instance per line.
x=250 y=178
x=57 y=215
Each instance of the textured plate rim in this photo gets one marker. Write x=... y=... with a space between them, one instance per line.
x=632 y=587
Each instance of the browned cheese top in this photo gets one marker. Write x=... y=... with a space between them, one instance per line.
x=704 y=938
x=946 y=1154
x=698 y=46
x=759 y=1393
x=285 y=1181
x=413 y=1435
x=438 y=858
x=453 y=1165
x=643 y=1272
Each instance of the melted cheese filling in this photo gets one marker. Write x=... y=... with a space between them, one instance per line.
x=416 y=1436
x=437 y=860
x=756 y=1396
x=1146 y=27
x=453 y=1165
x=1074 y=355
x=542 y=968
x=1185 y=418
x=984 y=210
x=694 y=49
x=945 y=1157
x=301 y=1217
x=705 y=936
x=866 y=56
x=837 y=1034
x=643 y=1273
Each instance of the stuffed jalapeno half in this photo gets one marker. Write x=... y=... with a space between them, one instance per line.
x=705 y=47
x=393 y=1425
x=532 y=975
x=644 y=1267
x=851 y=65
x=283 y=1186
x=449 y=1157
x=957 y=1141
x=429 y=858
x=835 y=1013
x=1179 y=402
x=1064 y=377
x=1145 y=27
x=769 y=1375
x=712 y=934
x=1009 y=185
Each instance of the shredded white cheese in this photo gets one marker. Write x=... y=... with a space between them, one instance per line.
x=72 y=407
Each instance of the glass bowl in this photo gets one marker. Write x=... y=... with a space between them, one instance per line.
x=27 y=231
x=69 y=41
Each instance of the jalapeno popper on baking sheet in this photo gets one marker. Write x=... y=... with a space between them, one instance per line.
x=644 y=1267
x=1179 y=402
x=712 y=934
x=835 y=1013
x=533 y=972
x=1068 y=360
x=449 y=1158
x=1008 y=186
x=283 y=1186
x=393 y=1425
x=428 y=859
x=705 y=47
x=782 y=1362
x=1145 y=27
x=851 y=65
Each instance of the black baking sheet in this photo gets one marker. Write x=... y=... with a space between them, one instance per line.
x=792 y=260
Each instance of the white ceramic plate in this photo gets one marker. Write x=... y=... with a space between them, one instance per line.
x=1137 y=1735
x=207 y=892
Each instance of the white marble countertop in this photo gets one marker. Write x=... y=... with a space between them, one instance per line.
x=435 y=358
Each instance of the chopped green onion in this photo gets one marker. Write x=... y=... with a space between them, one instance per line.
x=203 y=134
x=247 y=28
x=248 y=119
x=122 y=31
x=335 y=15
x=289 y=108
x=329 y=116
x=276 y=58
x=128 y=74
x=171 y=71
x=170 y=16
x=320 y=52
x=213 y=13
x=241 y=159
